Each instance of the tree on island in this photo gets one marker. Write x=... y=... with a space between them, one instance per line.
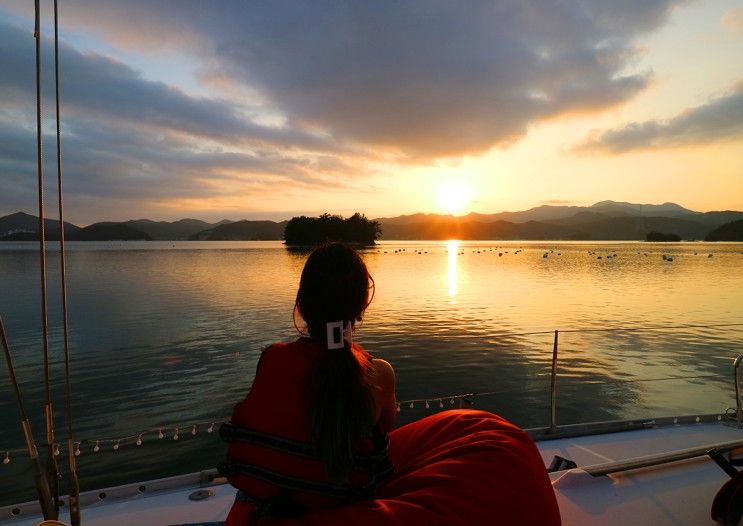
x=659 y=236
x=308 y=231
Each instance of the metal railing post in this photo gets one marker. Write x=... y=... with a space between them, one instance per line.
x=553 y=386
x=738 y=408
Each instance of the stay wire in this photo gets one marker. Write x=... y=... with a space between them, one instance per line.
x=52 y=468
x=74 y=484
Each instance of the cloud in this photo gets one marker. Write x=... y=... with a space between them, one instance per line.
x=426 y=79
x=130 y=140
x=733 y=20
x=720 y=119
x=304 y=94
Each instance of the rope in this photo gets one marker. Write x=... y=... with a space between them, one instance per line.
x=52 y=469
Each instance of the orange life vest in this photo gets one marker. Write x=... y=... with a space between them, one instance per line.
x=270 y=457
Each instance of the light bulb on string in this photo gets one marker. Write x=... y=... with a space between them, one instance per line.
x=139 y=440
x=441 y=404
x=451 y=401
x=175 y=435
x=56 y=450
x=77 y=449
x=160 y=434
x=97 y=447
x=428 y=406
x=398 y=408
x=116 y=445
x=193 y=430
x=6 y=460
x=211 y=428
x=411 y=406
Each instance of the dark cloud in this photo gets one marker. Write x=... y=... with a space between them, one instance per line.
x=96 y=84
x=351 y=81
x=127 y=139
x=720 y=119
x=431 y=78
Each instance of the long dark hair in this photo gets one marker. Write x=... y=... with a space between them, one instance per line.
x=335 y=286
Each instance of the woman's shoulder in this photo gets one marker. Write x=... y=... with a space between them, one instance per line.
x=383 y=373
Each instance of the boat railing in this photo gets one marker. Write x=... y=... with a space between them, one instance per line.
x=738 y=403
x=175 y=431
x=554 y=366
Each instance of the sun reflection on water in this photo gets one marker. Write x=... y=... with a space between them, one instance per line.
x=452 y=248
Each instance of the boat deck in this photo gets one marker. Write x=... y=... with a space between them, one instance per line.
x=677 y=493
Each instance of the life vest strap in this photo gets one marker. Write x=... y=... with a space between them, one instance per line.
x=232 y=433
x=231 y=468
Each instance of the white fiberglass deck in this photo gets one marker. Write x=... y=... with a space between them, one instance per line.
x=679 y=493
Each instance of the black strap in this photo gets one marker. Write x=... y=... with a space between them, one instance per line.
x=231 y=433
x=290 y=483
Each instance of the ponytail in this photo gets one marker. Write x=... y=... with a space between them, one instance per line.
x=342 y=408
x=335 y=285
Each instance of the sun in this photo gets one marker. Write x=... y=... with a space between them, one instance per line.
x=454 y=195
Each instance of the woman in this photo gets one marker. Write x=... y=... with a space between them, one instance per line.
x=310 y=443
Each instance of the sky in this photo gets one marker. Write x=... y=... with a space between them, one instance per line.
x=266 y=110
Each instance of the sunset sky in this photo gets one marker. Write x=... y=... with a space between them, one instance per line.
x=271 y=109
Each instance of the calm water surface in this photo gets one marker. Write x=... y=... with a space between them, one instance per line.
x=167 y=333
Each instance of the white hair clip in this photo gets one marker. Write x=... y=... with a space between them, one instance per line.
x=337 y=333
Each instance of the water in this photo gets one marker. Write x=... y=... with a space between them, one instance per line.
x=167 y=333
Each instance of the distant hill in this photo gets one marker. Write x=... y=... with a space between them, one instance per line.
x=243 y=231
x=109 y=231
x=472 y=230
x=21 y=223
x=21 y=228
x=163 y=230
x=732 y=231
x=609 y=220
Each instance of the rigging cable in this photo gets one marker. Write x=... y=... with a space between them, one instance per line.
x=52 y=469
x=42 y=484
x=74 y=484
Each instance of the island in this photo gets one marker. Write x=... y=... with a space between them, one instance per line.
x=310 y=231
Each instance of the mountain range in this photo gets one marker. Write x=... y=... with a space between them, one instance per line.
x=605 y=220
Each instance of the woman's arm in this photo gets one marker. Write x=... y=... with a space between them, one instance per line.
x=384 y=393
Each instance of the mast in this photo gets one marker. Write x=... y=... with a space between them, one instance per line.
x=52 y=469
x=74 y=484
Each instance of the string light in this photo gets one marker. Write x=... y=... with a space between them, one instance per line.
x=138 y=438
